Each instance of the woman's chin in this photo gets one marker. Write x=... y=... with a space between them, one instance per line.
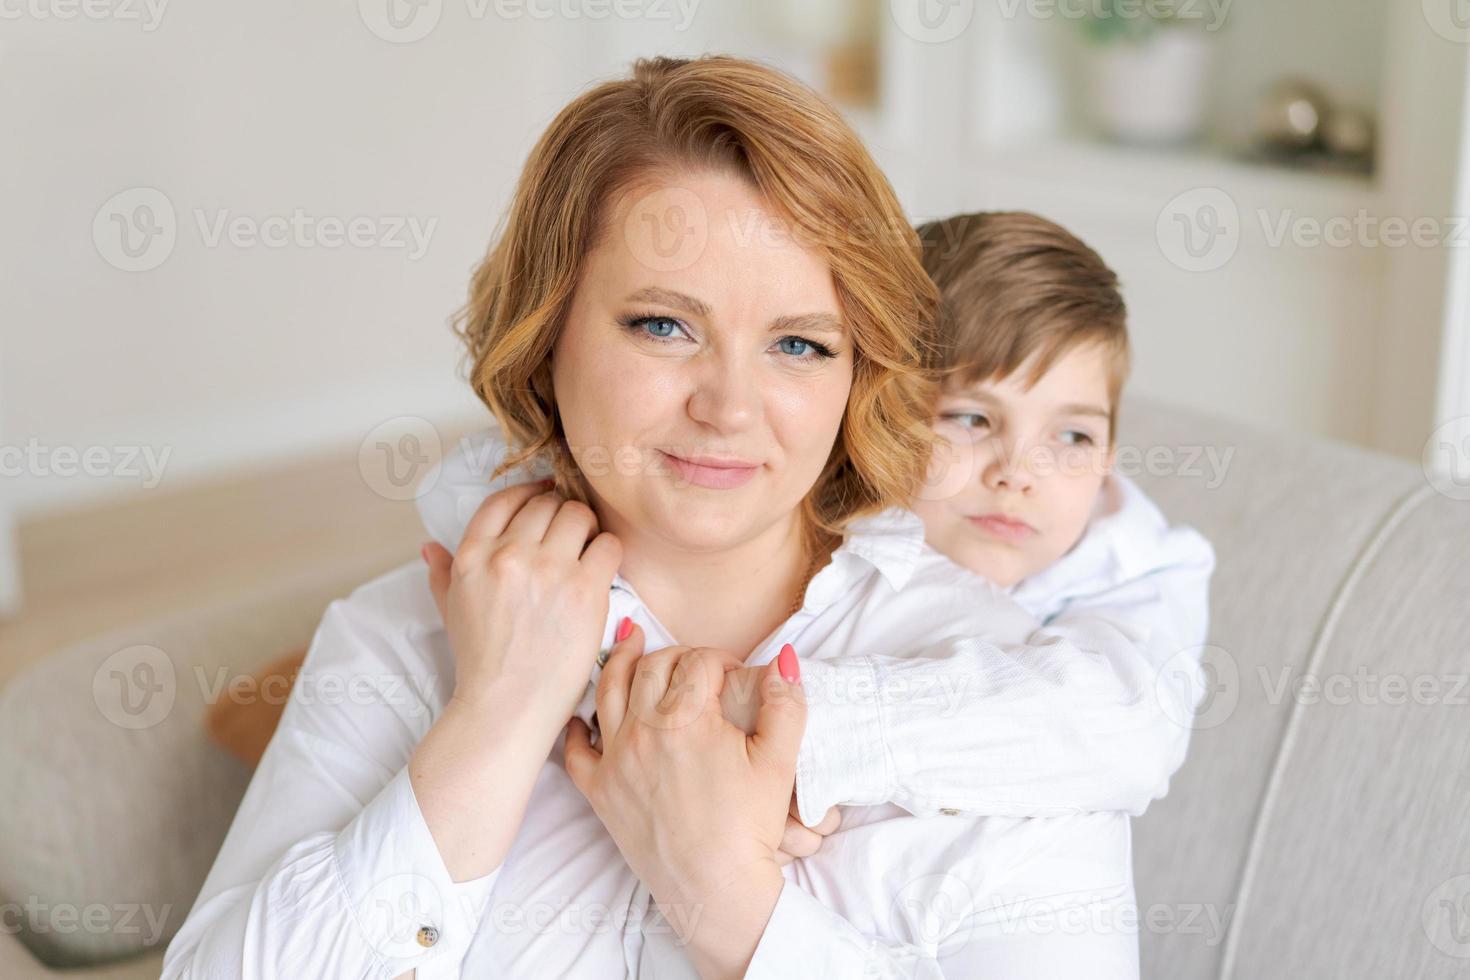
x=698 y=519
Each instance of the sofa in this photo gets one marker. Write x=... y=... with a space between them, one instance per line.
x=1320 y=827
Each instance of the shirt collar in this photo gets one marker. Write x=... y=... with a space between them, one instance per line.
x=891 y=541
x=1122 y=520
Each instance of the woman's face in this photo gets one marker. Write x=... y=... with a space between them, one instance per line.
x=704 y=367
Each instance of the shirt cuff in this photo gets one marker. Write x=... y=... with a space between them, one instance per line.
x=805 y=939
x=410 y=910
x=844 y=754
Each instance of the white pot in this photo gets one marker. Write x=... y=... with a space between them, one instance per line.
x=1151 y=91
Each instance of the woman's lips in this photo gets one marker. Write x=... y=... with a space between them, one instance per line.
x=1005 y=528
x=713 y=474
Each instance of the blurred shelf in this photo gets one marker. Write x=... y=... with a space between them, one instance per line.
x=1129 y=174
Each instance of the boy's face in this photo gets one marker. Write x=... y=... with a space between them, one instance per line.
x=1015 y=475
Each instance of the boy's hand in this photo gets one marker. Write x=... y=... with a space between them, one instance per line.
x=799 y=840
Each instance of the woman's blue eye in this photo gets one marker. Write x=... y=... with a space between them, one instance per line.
x=970 y=420
x=661 y=326
x=805 y=350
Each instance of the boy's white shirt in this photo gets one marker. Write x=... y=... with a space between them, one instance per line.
x=1126 y=610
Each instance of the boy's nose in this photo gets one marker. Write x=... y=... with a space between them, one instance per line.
x=1008 y=471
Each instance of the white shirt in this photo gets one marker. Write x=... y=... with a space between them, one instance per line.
x=329 y=868
x=1091 y=712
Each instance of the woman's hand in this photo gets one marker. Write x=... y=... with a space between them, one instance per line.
x=740 y=702
x=525 y=606
x=697 y=807
x=525 y=600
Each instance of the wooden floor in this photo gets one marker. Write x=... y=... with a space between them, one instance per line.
x=88 y=571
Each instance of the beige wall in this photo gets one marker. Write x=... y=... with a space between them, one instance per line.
x=228 y=352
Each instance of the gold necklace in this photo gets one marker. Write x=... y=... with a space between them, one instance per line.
x=806 y=578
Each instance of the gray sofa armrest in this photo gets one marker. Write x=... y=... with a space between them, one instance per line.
x=116 y=801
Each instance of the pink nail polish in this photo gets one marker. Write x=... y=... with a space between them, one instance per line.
x=624 y=628
x=788 y=664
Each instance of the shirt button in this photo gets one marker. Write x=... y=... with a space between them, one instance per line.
x=428 y=936
x=949 y=811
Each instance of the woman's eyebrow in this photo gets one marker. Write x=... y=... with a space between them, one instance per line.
x=807 y=322
x=670 y=298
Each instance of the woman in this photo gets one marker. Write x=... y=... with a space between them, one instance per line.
x=705 y=309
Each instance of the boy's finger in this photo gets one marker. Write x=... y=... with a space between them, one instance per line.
x=798 y=841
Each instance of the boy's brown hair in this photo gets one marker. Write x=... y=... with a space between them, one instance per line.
x=1013 y=285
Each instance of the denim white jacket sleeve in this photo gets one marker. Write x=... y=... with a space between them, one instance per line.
x=1094 y=712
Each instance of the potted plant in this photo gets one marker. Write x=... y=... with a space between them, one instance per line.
x=1147 y=69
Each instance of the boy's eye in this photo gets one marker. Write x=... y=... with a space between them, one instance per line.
x=1074 y=437
x=968 y=420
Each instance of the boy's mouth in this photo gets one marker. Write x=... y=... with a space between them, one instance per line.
x=1007 y=529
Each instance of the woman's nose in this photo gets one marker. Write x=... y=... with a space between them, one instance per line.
x=726 y=396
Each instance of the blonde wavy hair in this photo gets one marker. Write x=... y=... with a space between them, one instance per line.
x=732 y=116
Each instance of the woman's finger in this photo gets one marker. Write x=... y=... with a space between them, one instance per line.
x=617 y=677
x=601 y=558
x=533 y=520
x=650 y=680
x=441 y=564
x=579 y=758
x=573 y=525
x=494 y=514
x=781 y=720
x=693 y=689
x=783 y=859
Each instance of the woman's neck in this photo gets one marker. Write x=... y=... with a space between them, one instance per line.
x=730 y=599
